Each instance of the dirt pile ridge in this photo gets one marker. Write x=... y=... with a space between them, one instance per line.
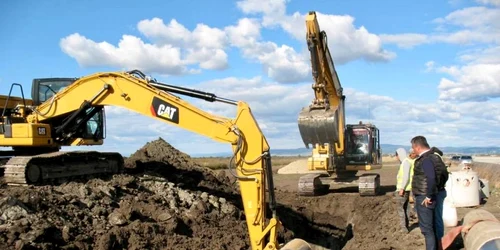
x=158 y=157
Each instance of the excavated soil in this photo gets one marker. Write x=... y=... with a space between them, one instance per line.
x=363 y=222
x=166 y=201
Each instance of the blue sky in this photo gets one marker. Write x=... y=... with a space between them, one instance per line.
x=427 y=68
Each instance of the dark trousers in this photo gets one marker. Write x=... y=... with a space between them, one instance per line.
x=404 y=209
x=427 y=222
x=439 y=213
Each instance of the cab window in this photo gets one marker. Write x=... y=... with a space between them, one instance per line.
x=48 y=89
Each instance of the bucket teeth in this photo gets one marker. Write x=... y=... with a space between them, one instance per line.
x=318 y=126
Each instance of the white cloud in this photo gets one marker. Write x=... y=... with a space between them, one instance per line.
x=204 y=44
x=491 y=2
x=478 y=82
x=473 y=17
x=176 y=34
x=346 y=41
x=467 y=37
x=490 y=55
x=450 y=70
x=467 y=26
x=130 y=53
x=174 y=51
x=281 y=63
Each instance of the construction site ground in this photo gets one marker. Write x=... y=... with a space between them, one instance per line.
x=168 y=200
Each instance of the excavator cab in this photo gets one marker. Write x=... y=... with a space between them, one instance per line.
x=43 y=89
x=89 y=125
x=362 y=144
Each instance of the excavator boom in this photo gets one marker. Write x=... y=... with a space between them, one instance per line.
x=134 y=91
x=323 y=120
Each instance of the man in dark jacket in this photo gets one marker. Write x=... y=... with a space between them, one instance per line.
x=428 y=180
x=441 y=195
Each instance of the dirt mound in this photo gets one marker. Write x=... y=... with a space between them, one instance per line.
x=125 y=212
x=348 y=221
x=158 y=157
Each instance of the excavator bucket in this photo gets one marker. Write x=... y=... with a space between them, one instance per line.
x=318 y=126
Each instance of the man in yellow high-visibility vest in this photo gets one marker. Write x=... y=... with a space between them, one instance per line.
x=403 y=187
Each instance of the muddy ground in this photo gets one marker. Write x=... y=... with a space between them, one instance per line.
x=165 y=200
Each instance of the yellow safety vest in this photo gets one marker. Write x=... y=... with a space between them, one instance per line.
x=400 y=175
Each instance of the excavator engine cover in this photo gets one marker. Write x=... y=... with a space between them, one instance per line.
x=318 y=126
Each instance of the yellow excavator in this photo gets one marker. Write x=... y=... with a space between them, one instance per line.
x=70 y=112
x=339 y=150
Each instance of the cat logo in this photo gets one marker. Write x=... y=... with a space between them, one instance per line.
x=42 y=131
x=164 y=110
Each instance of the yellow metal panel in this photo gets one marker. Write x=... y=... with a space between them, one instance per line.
x=27 y=130
x=21 y=130
x=319 y=158
x=25 y=134
x=13 y=142
x=39 y=130
x=317 y=163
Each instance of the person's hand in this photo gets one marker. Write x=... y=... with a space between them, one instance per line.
x=401 y=192
x=427 y=202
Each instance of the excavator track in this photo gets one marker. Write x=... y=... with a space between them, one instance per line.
x=369 y=184
x=60 y=166
x=311 y=185
x=314 y=184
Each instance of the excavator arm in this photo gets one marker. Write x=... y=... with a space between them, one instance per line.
x=134 y=91
x=323 y=121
